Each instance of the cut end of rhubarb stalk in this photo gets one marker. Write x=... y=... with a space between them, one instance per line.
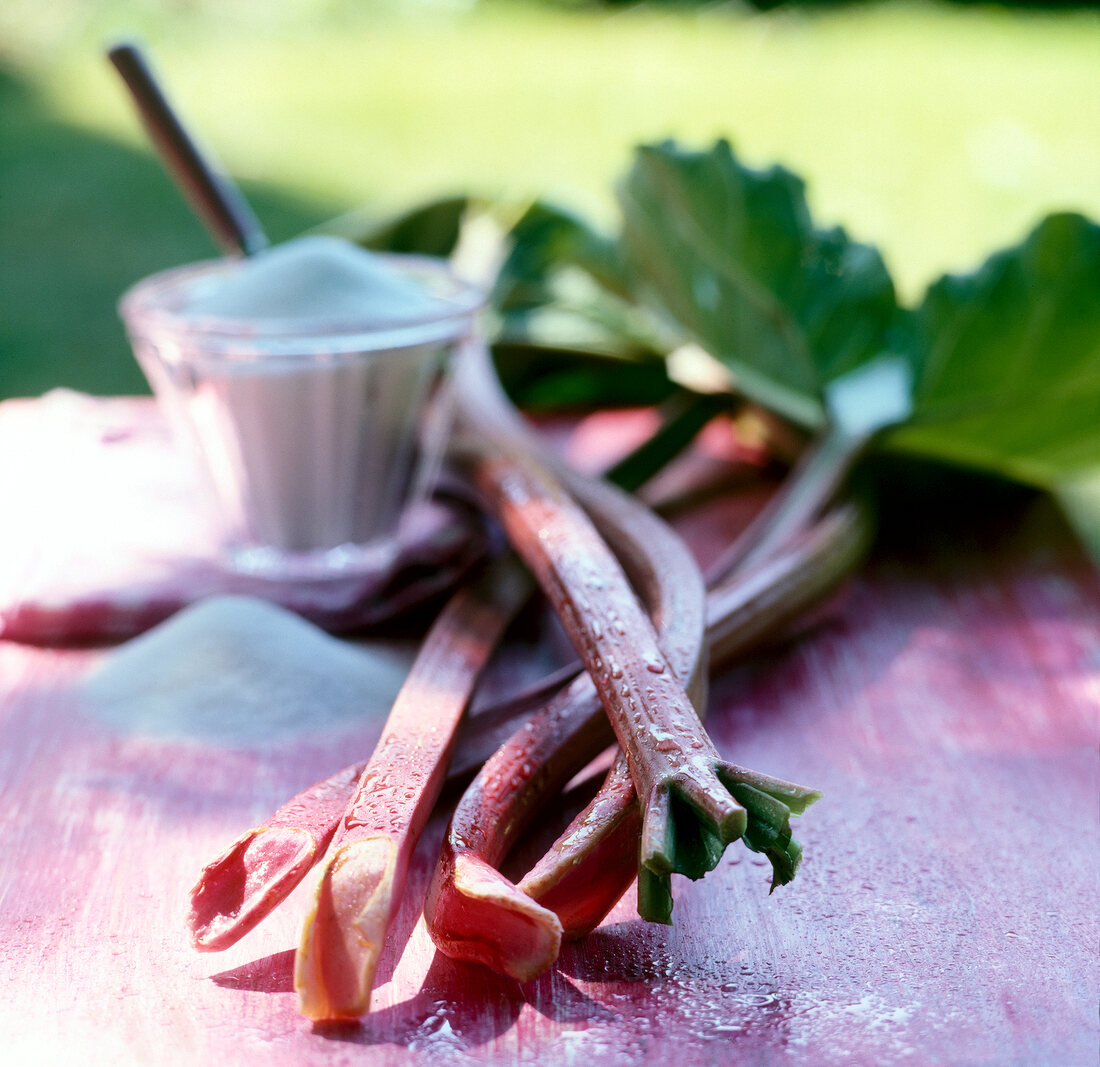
x=770 y=803
x=686 y=827
x=343 y=936
x=479 y=916
x=240 y=887
x=688 y=823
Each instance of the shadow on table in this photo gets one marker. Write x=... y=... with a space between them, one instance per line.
x=443 y=1010
x=272 y=974
x=463 y=1006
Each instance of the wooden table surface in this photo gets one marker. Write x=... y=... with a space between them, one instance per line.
x=945 y=913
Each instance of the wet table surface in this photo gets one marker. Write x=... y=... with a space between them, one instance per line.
x=946 y=910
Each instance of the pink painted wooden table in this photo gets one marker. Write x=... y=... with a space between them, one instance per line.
x=946 y=911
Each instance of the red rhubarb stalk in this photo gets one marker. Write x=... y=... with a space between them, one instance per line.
x=259 y=870
x=364 y=877
x=515 y=480
x=860 y=405
x=591 y=865
x=694 y=802
x=472 y=911
x=471 y=905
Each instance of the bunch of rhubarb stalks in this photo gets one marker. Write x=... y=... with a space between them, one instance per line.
x=646 y=626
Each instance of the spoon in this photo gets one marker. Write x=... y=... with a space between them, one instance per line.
x=207 y=187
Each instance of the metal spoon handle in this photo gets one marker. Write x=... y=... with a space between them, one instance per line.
x=212 y=194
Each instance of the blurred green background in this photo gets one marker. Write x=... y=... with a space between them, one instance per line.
x=939 y=132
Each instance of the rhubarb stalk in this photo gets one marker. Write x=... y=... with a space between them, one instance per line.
x=471 y=906
x=694 y=803
x=259 y=870
x=252 y=877
x=860 y=404
x=590 y=866
x=472 y=911
x=364 y=878
x=690 y=812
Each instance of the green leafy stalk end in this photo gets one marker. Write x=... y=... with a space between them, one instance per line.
x=770 y=803
x=687 y=825
x=683 y=836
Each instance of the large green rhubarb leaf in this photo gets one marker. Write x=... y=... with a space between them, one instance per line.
x=733 y=257
x=1006 y=361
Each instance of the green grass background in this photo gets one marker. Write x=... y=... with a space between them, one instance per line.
x=937 y=132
